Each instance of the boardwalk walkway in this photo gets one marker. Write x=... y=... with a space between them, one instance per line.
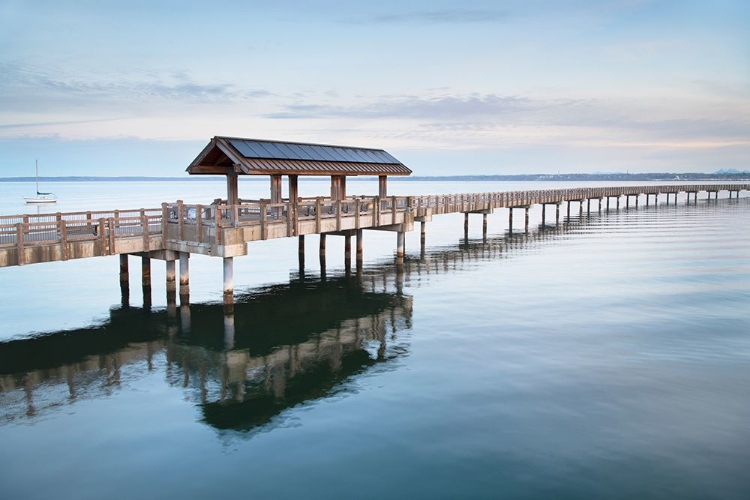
x=224 y=230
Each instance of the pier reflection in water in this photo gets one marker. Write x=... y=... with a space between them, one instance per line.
x=281 y=346
x=278 y=347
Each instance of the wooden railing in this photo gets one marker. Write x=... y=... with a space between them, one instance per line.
x=106 y=227
x=23 y=231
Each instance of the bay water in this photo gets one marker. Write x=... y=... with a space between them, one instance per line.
x=607 y=356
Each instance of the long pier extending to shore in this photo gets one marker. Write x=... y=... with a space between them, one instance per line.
x=176 y=230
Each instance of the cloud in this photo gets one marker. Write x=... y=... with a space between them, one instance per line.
x=411 y=107
x=25 y=80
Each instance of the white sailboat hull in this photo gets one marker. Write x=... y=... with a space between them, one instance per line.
x=41 y=199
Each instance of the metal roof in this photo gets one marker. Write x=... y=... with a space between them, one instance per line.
x=254 y=156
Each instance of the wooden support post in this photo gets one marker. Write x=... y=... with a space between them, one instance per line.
x=510 y=220
x=599 y=206
x=544 y=213
x=228 y=282
x=526 y=224
x=62 y=227
x=580 y=209
x=466 y=223
x=323 y=246
x=124 y=273
x=20 y=250
x=568 y=209
x=484 y=226
x=422 y=234
x=102 y=233
x=557 y=214
x=301 y=252
x=184 y=278
x=146 y=270
x=171 y=284
x=382 y=186
x=348 y=248
x=607 y=203
x=636 y=201
x=618 y=203
x=181 y=220
x=400 y=237
x=111 y=232
x=360 y=248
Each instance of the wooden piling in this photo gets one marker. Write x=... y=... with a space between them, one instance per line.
x=510 y=220
x=171 y=284
x=228 y=281
x=146 y=270
x=360 y=247
x=526 y=224
x=400 y=237
x=124 y=274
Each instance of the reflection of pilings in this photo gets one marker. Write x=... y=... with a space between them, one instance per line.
x=347 y=250
x=360 y=249
x=185 y=324
x=228 y=331
x=147 y=297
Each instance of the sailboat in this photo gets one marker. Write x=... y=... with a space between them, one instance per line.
x=40 y=197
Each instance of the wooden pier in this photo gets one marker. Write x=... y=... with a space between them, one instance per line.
x=224 y=228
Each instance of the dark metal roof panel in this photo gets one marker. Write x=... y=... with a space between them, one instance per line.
x=251 y=148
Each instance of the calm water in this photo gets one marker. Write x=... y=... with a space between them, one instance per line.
x=608 y=357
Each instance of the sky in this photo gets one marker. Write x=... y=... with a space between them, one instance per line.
x=449 y=88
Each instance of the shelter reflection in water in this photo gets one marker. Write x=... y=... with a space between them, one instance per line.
x=281 y=346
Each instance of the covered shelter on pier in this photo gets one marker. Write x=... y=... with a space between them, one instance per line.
x=233 y=156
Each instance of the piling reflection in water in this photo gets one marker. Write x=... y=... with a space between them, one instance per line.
x=282 y=346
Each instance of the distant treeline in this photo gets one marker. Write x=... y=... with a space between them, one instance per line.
x=656 y=176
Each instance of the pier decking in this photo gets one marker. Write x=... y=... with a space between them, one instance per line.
x=224 y=230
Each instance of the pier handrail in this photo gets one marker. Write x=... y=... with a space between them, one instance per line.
x=208 y=223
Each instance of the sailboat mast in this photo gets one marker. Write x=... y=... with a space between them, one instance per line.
x=37 y=177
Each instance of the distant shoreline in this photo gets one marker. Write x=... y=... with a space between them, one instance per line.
x=662 y=176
